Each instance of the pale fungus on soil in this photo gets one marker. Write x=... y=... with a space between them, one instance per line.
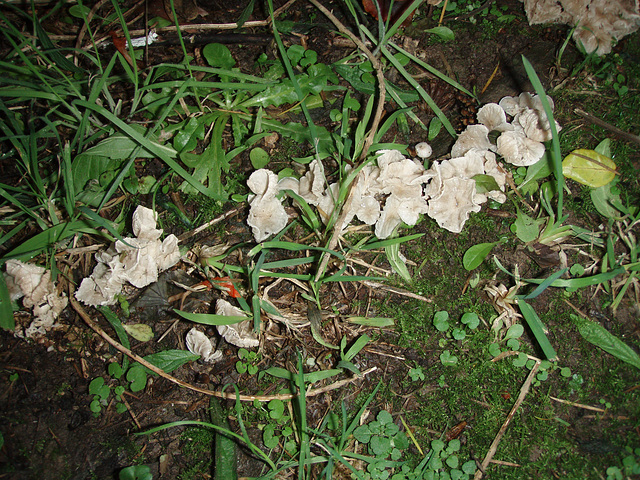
x=267 y=214
x=132 y=260
x=199 y=344
x=239 y=334
x=34 y=285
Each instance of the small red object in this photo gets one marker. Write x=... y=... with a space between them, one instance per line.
x=398 y=8
x=456 y=431
x=225 y=284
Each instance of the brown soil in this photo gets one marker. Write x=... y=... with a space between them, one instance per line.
x=49 y=431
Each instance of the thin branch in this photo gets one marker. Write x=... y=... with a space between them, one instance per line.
x=228 y=396
x=601 y=123
x=375 y=63
x=496 y=441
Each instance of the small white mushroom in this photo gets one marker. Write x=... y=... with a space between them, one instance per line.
x=313 y=184
x=519 y=150
x=474 y=136
x=238 y=334
x=452 y=207
x=34 y=285
x=199 y=344
x=134 y=260
x=494 y=118
x=267 y=214
x=423 y=150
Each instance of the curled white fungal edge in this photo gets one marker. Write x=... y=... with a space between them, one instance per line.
x=238 y=334
x=135 y=260
x=36 y=288
x=199 y=344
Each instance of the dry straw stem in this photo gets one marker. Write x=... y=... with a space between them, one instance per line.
x=228 y=396
x=496 y=441
x=189 y=27
x=601 y=123
x=579 y=405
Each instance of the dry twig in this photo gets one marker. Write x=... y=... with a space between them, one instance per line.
x=228 y=396
x=496 y=441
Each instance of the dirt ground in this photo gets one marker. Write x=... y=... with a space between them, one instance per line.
x=49 y=431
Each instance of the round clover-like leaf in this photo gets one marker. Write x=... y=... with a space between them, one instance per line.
x=471 y=320
x=447 y=359
x=513 y=344
x=276 y=408
x=138 y=378
x=362 y=434
x=520 y=360
x=380 y=446
x=514 y=331
x=452 y=461
x=269 y=437
x=384 y=417
x=469 y=467
x=494 y=350
x=441 y=320
x=458 y=334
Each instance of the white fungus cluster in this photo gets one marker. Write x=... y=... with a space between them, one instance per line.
x=398 y=190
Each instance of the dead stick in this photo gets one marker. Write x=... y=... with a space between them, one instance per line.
x=496 y=441
x=601 y=123
x=579 y=405
x=202 y=227
x=228 y=396
x=375 y=63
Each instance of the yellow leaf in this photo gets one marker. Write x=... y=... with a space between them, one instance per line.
x=139 y=331
x=589 y=168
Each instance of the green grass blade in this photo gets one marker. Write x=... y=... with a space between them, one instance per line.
x=538 y=329
x=599 y=336
x=210 y=318
x=556 y=157
x=6 y=311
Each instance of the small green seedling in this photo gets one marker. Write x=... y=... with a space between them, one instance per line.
x=383 y=437
x=248 y=362
x=416 y=374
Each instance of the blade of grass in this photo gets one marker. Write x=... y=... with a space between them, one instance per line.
x=556 y=156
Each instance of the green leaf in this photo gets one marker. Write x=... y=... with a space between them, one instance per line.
x=139 y=331
x=120 y=147
x=136 y=472
x=397 y=261
x=595 y=333
x=485 y=183
x=435 y=125
x=471 y=320
x=6 y=310
x=476 y=254
x=379 y=322
x=362 y=434
x=210 y=318
x=444 y=33
x=527 y=228
x=79 y=11
x=137 y=376
x=538 y=329
x=447 y=359
x=441 y=320
x=259 y=158
x=589 y=168
x=605 y=201
x=115 y=370
x=269 y=437
x=169 y=360
x=218 y=55
x=515 y=331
